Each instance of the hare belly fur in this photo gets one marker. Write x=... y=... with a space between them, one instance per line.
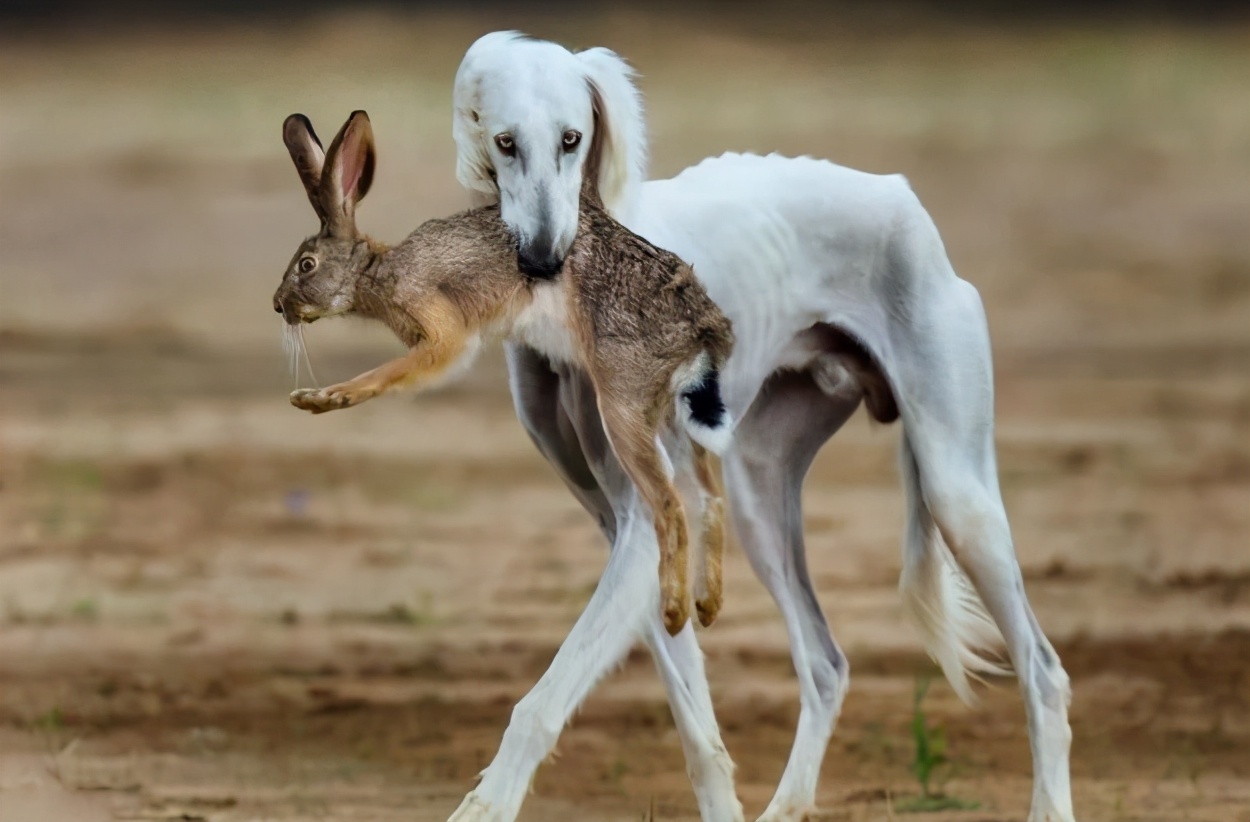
x=544 y=325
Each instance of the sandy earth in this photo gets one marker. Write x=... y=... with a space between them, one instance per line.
x=213 y=607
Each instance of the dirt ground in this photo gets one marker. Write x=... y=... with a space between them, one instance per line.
x=214 y=607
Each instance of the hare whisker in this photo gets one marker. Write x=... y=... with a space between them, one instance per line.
x=290 y=346
x=303 y=349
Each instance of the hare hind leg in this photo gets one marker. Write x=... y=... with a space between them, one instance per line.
x=641 y=455
x=709 y=586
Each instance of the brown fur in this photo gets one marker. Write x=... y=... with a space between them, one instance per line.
x=710 y=597
x=635 y=316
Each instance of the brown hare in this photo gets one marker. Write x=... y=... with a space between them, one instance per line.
x=632 y=315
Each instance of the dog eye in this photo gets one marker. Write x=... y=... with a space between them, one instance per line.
x=306 y=264
x=571 y=139
x=506 y=144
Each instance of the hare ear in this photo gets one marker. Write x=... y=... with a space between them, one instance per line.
x=309 y=158
x=348 y=172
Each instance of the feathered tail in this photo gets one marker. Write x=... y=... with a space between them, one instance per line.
x=938 y=598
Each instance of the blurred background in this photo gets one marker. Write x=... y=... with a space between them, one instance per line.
x=215 y=607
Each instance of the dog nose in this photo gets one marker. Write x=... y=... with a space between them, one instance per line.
x=277 y=306
x=545 y=267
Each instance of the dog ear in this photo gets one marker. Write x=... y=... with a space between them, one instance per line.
x=617 y=156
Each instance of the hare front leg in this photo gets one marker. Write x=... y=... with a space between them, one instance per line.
x=638 y=449
x=709 y=588
x=426 y=362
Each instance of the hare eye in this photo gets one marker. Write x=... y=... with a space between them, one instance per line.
x=506 y=144
x=572 y=139
x=307 y=264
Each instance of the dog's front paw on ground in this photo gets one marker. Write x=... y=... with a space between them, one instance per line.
x=320 y=400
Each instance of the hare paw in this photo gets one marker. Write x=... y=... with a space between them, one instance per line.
x=676 y=611
x=320 y=400
x=707 y=608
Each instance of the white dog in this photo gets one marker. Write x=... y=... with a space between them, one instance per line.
x=840 y=291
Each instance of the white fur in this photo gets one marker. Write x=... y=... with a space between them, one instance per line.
x=691 y=373
x=544 y=324
x=689 y=376
x=782 y=244
x=938 y=599
x=472 y=348
x=716 y=440
x=536 y=91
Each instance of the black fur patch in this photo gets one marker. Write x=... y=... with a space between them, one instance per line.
x=704 y=401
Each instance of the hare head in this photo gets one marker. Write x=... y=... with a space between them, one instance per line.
x=322 y=278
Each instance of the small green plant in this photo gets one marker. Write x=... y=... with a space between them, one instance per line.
x=930 y=742
x=618 y=770
x=75 y=506
x=50 y=728
x=86 y=609
x=930 y=758
x=404 y=614
x=399 y=613
x=51 y=721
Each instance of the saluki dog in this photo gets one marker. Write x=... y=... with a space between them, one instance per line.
x=840 y=292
